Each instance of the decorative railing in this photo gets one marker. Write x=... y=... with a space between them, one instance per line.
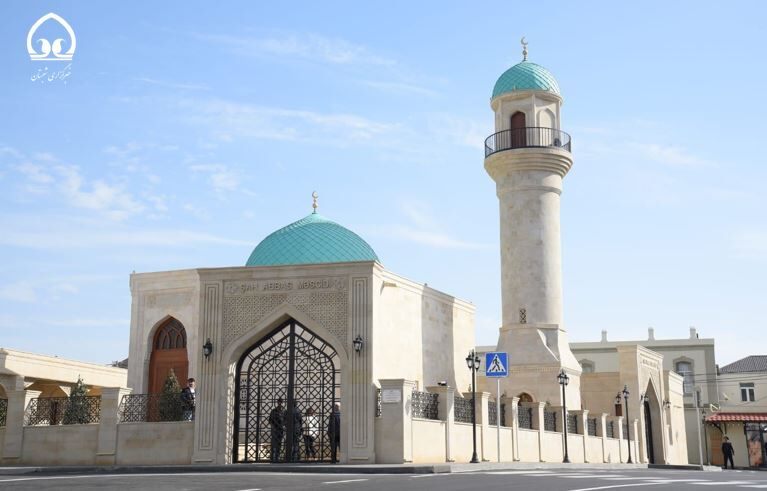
x=592 y=426
x=525 y=417
x=626 y=432
x=3 y=411
x=378 y=403
x=425 y=405
x=76 y=410
x=492 y=416
x=532 y=137
x=462 y=409
x=572 y=423
x=549 y=421
x=136 y=408
x=611 y=429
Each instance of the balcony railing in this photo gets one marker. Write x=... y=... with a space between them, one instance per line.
x=136 y=408
x=532 y=137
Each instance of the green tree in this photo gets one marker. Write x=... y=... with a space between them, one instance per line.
x=76 y=412
x=170 y=399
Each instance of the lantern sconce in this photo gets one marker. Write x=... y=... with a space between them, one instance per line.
x=207 y=349
x=357 y=344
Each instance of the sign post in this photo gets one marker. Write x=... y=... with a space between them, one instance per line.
x=497 y=366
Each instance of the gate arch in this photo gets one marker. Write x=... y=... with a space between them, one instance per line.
x=296 y=366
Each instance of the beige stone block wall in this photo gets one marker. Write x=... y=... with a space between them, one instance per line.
x=575 y=448
x=462 y=442
x=612 y=450
x=528 y=446
x=551 y=447
x=154 y=443
x=428 y=441
x=60 y=445
x=491 y=444
x=593 y=450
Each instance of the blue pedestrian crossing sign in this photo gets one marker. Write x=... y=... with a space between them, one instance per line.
x=496 y=364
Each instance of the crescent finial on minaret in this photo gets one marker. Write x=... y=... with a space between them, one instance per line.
x=314 y=201
x=524 y=48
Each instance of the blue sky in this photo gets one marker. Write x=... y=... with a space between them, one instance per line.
x=188 y=131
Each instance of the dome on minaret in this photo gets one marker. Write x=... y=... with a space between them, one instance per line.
x=526 y=75
x=311 y=240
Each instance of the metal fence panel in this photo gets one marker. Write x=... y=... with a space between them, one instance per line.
x=63 y=410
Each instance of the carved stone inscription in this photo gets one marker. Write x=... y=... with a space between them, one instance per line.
x=323 y=299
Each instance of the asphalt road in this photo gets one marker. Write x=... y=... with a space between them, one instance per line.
x=538 y=480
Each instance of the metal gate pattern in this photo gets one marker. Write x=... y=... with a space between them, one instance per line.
x=298 y=367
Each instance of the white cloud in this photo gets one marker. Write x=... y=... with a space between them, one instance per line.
x=111 y=200
x=19 y=292
x=671 y=155
x=398 y=88
x=457 y=130
x=306 y=47
x=751 y=244
x=171 y=85
x=228 y=119
x=423 y=228
x=221 y=178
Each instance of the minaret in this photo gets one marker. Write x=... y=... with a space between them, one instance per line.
x=528 y=157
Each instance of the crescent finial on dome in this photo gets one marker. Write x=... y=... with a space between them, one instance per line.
x=524 y=48
x=314 y=201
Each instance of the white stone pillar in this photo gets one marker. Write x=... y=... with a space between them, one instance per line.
x=602 y=432
x=618 y=420
x=514 y=428
x=483 y=422
x=397 y=420
x=106 y=452
x=447 y=414
x=18 y=400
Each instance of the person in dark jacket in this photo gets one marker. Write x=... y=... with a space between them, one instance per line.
x=298 y=424
x=277 y=426
x=334 y=431
x=728 y=452
x=188 y=400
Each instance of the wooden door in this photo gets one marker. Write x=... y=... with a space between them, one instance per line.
x=518 y=131
x=168 y=353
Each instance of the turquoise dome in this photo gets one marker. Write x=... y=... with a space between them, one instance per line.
x=526 y=76
x=311 y=240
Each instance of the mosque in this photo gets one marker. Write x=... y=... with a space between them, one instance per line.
x=314 y=319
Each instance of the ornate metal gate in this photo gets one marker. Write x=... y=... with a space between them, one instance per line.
x=286 y=387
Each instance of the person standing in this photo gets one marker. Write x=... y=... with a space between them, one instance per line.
x=277 y=426
x=728 y=452
x=298 y=425
x=334 y=432
x=188 y=400
x=311 y=432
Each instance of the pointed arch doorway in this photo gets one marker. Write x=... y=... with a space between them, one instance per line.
x=285 y=388
x=168 y=353
x=648 y=432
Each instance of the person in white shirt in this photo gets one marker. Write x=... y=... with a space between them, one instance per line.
x=311 y=432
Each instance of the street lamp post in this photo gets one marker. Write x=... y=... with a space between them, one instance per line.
x=563 y=381
x=625 y=393
x=472 y=361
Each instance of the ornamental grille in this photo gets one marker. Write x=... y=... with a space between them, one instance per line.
x=135 y=408
x=63 y=410
x=286 y=387
x=492 y=413
x=425 y=405
x=592 y=426
x=572 y=423
x=462 y=409
x=3 y=411
x=549 y=421
x=171 y=335
x=378 y=403
x=625 y=432
x=610 y=429
x=525 y=417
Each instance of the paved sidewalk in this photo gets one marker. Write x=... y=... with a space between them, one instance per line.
x=443 y=468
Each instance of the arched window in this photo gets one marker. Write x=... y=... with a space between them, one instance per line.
x=171 y=335
x=684 y=368
x=525 y=397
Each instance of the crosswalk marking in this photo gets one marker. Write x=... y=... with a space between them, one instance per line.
x=719 y=483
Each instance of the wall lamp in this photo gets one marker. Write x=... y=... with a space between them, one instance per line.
x=207 y=349
x=357 y=344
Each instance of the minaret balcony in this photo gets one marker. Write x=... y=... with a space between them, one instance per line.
x=531 y=137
